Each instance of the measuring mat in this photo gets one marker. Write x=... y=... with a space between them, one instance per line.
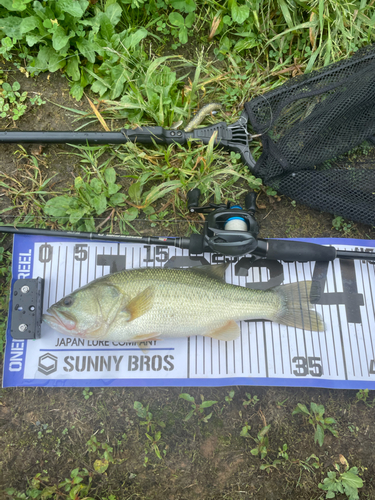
x=343 y=356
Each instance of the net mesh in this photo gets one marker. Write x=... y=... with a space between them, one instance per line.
x=312 y=119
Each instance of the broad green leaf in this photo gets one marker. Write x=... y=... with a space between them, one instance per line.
x=329 y=421
x=245 y=431
x=176 y=19
x=99 y=88
x=99 y=203
x=15 y=5
x=183 y=5
x=32 y=40
x=101 y=466
x=110 y=175
x=60 y=38
x=76 y=215
x=134 y=39
x=135 y=191
x=106 y=27
x=58 y=206
x=90 y=225
x=113 y=188
x=87 y=49
x=207 y=404
x=96 y=185
x=352 y=480
x=187 y=397
x=72 y=68
x=254 y=451
x=301 y=409
x=317 y=409
x=130 y=214
x=120 y=76
x=74 y=473
x=114 y=12
x=30 y=23
x=189 y=20
x=239 y=13
x=118 y=199
x=75 y=8
x=11 y=26
x=76 y=91
x=78 y=183
x=264 y=431
x=183 y=35
x=319 y=435
x=7 y=42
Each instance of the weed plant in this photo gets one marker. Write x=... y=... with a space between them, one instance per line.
x=316 y=418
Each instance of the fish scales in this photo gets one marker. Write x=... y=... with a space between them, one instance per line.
x=193 y=301
x=153 y=303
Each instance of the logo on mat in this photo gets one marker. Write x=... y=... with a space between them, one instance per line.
x=47 y=364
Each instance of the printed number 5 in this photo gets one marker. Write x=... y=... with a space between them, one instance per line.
x=303 y=364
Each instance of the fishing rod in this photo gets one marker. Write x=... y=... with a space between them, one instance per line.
x=228 y=230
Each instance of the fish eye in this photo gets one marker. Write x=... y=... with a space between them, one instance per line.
x=68 y=301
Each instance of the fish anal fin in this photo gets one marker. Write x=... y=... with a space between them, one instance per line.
x=228 y=331
x=142 y=339
x=145 y=337
x=140 y=304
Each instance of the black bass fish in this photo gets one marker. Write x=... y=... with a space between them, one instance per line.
x=156 y=303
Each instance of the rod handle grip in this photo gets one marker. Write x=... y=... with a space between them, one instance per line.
x=299 y=251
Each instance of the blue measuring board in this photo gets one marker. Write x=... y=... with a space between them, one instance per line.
x=268 y=354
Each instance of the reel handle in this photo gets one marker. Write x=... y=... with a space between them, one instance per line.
x=250 y=202
x=193 y=199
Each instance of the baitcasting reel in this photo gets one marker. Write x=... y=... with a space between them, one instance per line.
x=228 y=230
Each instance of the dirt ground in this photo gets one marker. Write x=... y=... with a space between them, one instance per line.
x=46 y=430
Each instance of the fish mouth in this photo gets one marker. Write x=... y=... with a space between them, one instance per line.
x=62 y=322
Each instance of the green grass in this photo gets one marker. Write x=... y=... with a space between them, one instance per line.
x=120 y=52
x=105 y=46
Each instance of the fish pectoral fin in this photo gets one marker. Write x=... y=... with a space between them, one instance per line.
x=140 y=304
x=229 y=331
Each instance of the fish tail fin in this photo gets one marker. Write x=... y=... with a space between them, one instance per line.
x=296 y=310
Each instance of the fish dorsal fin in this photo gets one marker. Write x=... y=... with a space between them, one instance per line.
x=140 y=304
x=215 y=272
x=228 y=331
